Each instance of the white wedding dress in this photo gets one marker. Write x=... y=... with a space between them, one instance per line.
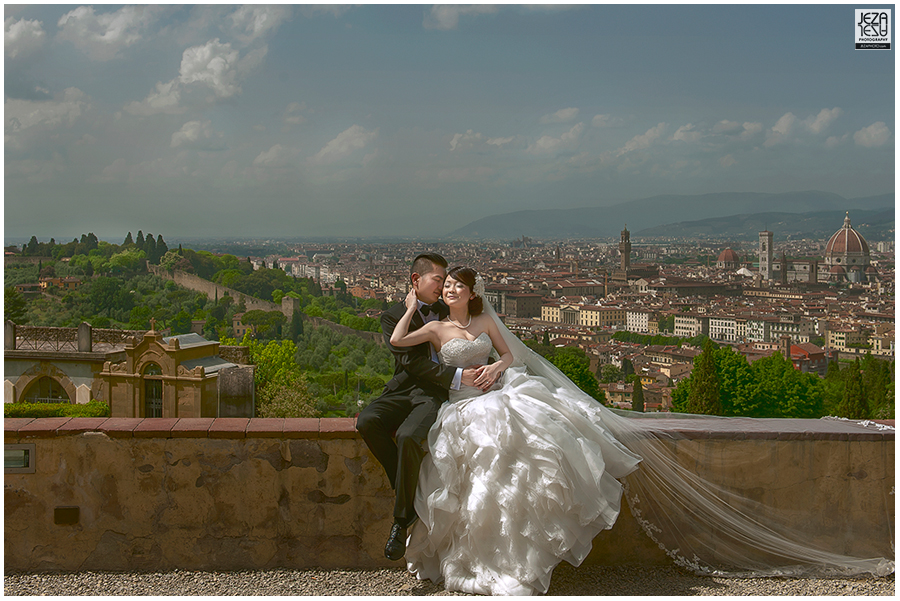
x=517 y=480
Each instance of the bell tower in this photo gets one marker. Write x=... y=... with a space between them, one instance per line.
x=765 y=255
x=625 y=249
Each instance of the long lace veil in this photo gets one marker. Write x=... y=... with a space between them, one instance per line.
x=715 y=527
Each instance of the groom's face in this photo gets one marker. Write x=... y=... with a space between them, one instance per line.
x=428 y=286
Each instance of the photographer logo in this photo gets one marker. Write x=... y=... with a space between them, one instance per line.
x=873 y=29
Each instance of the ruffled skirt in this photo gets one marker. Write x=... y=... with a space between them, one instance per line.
x=517 y=480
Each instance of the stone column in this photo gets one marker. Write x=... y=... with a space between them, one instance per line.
x=85 y=344
x=9 y=342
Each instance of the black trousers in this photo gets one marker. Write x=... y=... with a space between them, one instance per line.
x=410 y=414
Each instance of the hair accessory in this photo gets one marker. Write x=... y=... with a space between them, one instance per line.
x=479 y=286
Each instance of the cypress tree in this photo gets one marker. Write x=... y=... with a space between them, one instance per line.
x=296 y=328
x=705 y=397
x=161 y=247
x=128 y=240
x=853 y=404
x=139 y=241
x=637 y=396
x=150 y=248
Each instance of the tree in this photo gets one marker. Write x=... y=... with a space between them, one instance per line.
x=161 y=247
x=32 y=247
x=637 y=396
x=14 y=306
x=150 y=249
x=128 y=260
x=287 y=396
x=128 y=240
x=705 y=396
x=139 y=241
x=263 y=321
x=611 y=373
x=853 y=404
x=296 y=327
x=577 y=366
x=627 y=367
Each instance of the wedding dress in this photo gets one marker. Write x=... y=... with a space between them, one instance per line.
x=517 y=480
x=525 y=476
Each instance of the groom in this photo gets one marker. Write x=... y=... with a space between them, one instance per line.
x=411 y=399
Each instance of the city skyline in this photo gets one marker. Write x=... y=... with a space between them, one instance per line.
x=292 y=121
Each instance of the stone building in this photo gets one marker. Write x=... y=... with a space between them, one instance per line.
x=139 y=374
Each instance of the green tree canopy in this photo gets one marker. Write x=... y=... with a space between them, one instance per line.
x=704 y=396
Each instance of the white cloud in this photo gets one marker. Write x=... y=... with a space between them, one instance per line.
x=499 y=141
x=687 y=133
x=873 y=136
x=198 y=135
x=277 y=156
x=727 y=161
x=445 y=17
x=252 y=21
x=467 y=138
x=601 y=120
x=751 y=129
x=102 y=36
x=164 y=100
x=549 y=144
x=781 y=130
x=727 y=127
x=213 y=64
x=644 y=140
x=353 y=138
x=27 y=116
x=22 y=37
x=820 y=122
x=560 y=116
x=834 y=141
x=292 y=114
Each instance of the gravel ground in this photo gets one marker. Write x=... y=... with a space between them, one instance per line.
x=588 y=580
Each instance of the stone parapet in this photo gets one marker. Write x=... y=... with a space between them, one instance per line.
x=262 y=493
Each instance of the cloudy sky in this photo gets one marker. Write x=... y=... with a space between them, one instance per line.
x=416 y=120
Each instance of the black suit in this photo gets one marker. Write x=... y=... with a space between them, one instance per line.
x=408 y=406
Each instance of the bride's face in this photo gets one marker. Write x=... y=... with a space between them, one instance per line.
x=456 y=293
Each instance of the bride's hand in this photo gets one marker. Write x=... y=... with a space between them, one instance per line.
x=489 y=376
x=412 y=301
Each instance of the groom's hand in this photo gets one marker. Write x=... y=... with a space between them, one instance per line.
x=470 y=374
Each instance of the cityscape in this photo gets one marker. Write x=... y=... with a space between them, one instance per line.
x=638 y=310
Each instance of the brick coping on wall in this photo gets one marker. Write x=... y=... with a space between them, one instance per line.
x=329 y=428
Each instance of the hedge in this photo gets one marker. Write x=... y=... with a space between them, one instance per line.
x=91 y=409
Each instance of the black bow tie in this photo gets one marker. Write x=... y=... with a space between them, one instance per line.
x=426 y=309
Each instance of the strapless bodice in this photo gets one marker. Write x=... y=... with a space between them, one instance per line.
x=461 y=352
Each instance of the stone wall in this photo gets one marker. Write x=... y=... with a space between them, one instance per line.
x=213 y=290
x=287 y=307
x=237 y=493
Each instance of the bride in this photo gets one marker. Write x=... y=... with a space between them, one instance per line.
x=523 y=473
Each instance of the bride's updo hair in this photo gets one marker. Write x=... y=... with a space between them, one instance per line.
x=467 y=275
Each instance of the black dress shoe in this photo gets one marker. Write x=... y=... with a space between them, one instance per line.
x=396 y=546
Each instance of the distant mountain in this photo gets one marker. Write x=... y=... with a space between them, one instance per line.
x=875 y=224
x=647 y=213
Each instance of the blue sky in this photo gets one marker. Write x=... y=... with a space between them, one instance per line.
x=416 y=120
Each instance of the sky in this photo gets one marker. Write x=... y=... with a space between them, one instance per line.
x=414 y=120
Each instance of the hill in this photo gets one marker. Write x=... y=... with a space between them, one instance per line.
x=873 y=225
x=648 y=213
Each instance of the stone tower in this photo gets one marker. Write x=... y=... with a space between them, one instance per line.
x=765 y=255
x=625 y=248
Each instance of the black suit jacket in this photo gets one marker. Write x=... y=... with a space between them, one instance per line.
x=413 y=367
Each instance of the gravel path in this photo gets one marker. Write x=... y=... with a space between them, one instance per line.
x=588 y=580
